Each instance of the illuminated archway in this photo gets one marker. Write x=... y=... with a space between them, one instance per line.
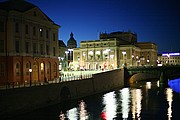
x=42 y=69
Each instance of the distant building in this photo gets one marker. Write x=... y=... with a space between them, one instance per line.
x=28 y=44
x=169 y=58
x=148 y=53
x=71 y=44
x=114 y=50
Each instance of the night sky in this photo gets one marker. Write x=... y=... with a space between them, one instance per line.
x=155 y=21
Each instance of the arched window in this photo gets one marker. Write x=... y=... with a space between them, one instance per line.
x=42 y=68
x=17 y=69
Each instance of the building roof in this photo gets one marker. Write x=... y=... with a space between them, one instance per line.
x=61 y=43
x=72 y=42
x=20 y=6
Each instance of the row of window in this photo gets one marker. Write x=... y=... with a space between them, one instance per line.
x=35 y=50
x=91 y=45
x=34 y=30
x=171 y=61
x=41 y=31
x=171 y=57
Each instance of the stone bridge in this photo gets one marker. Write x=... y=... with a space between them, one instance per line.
x=162 y=73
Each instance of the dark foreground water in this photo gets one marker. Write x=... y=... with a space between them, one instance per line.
x=141 y=101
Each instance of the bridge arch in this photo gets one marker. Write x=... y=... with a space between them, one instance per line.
x=141 y=77
x=65 y=94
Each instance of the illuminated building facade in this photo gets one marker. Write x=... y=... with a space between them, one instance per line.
x=28 y=44
x=114 y=50
x=169 y=58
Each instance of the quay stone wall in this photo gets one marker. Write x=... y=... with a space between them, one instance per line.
x=19 y=100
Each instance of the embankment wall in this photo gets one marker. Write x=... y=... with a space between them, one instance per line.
x=19 y=100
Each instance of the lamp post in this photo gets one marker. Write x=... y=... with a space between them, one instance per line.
x=148 y=62
x=70 y=50
x=124 y=53
x=30 y=71
x=66 y=52
x=108 y=50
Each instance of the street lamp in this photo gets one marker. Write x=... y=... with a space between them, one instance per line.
x=71 y=59
x=70 y=50
x=147 y=61
x=30 y=71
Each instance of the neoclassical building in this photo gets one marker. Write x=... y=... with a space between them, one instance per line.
x=28 y=44
x=171 y=58
x=114 y=50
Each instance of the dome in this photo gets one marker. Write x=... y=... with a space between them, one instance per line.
x=71 y=42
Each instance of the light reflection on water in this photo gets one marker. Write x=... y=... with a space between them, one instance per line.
x=136 y=97
x=141 y=101
x=110 y=105
x=75 y=113
x=169 y=98
x=126 y=103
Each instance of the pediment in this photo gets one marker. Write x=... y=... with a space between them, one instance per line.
x=36 y=13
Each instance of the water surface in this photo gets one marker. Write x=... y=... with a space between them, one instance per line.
x=140 y=101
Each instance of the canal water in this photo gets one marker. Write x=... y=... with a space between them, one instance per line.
x=140 y=101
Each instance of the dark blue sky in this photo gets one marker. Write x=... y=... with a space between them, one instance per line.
x=155 y=21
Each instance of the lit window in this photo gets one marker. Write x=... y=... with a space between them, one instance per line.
x=42 y=66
